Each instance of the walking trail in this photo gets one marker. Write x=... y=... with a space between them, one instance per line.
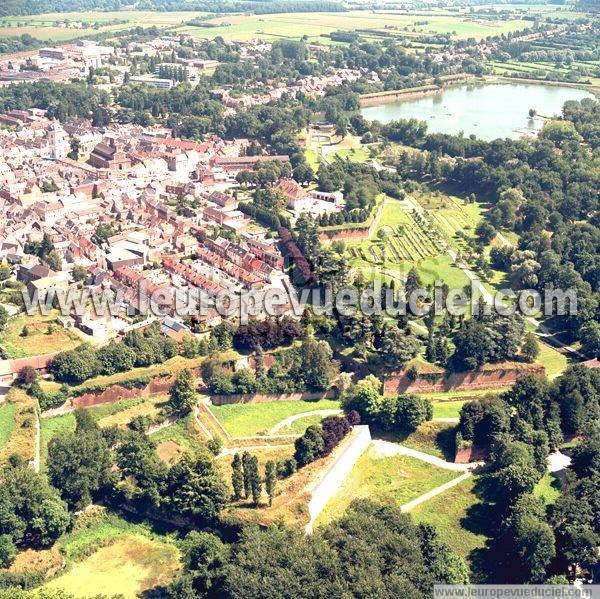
x=289 y=421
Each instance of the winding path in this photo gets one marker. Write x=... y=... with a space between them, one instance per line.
x=386 y=449
x=290 y=420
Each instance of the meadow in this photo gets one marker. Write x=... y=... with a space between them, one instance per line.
x=395 y=480
x=457 y=518
x=107 y=552
x=35 y=335
x=245 y=420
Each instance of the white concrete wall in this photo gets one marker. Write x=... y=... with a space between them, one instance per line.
x=331 y=482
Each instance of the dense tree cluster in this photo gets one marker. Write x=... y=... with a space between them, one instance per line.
x=138 y=348
x=396 y=413
x=308 y=367
x=323 y=564
x=321 y=439
x=31 y=511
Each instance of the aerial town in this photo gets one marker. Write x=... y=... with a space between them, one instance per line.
x=299 y=298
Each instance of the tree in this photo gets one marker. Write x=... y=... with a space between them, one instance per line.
x=590 y=339
x=255 y=480
x=31 y=511
x=74 y=366
x=237 y=477
x=411 y=411
x=413 y=282
x=139 y=463
x=530 y=348
x=3 y=317
x=397 y=348
x=195 y=487
x=317 y=368
x=79 y=273
x=182 y=395
x=309 y=446
x=270 y=479
x=79 y=462
x=8 y=550
x=246 y=467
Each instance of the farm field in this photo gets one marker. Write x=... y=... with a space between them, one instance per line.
x=396 y=479
x=40 y=339
x=246 y=420
x=294 y=25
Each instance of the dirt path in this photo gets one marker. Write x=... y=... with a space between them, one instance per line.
x=290 y=420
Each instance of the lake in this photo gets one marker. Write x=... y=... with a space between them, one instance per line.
x=489 y=111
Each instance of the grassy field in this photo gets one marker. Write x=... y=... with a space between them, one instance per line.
x=548 y=488
x=434 y=438
x=147 y=406
x=51 y=428
x=17 y=426
x=245 y=420
x=39 y=339
x=447 y=409
x=175 y=439
x=7 y=422
x=315 y=25
x=554 y=362
x=117 y=556
x=455 y=515
x=127 y=567
x=397 y=479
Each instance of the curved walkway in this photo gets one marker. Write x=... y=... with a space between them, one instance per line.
x=289 y=421
x=386 y=449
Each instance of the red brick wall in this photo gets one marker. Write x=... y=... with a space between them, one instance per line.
x=459 y=381
x=118 y=392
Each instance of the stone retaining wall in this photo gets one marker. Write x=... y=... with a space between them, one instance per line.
x=117 y=392
x=330 y=483
x=459 y=381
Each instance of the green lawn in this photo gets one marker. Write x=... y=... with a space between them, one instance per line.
x=246 y=420
x=434 y=438
x=447 y=409
x=353 y=154
x=38 y=340
x=456 y=518
x=299 y=426
x=554 y=362
x=7 y=422
x=105 y=551
x=397 y=480
x=548 y=488
x=51 y=428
